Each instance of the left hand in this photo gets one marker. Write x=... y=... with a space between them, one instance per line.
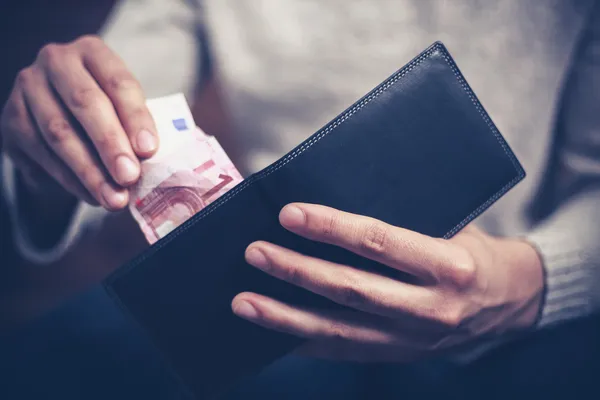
x=466 y=288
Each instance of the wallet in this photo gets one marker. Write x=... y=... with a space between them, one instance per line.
x=418 y=151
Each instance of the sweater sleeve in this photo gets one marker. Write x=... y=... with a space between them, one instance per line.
x=565 y=213
x=158 y=41
x=84 y=216
x=567 y=209
x=569 y=243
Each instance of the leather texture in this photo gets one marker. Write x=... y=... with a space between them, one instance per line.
x=418 y=151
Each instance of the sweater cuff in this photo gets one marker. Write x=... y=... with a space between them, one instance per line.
x=84 y=216
x=570 y=289
x=570 y=286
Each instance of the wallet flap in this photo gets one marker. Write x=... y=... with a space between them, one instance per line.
x=418 y=151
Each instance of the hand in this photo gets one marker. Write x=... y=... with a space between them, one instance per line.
x=77 y=115
x=468 y=287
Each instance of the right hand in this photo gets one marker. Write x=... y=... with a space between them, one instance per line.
x=80 y=116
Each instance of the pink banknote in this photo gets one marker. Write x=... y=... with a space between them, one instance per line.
x=191 y=172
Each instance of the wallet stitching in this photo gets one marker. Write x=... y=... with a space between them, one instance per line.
x=482 y=207
x=500 y=139
x=328 y=129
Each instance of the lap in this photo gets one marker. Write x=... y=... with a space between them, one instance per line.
x=88 y=349
x=85 y=349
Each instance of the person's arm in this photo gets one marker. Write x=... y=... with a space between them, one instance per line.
x=469 y=293
x=566 y=210
x=45 y=219
x=568 y=204
x=157 y=43
x=569 y=244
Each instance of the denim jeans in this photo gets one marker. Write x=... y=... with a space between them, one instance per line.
x=87 y=349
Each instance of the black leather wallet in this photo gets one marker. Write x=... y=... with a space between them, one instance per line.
x=418 y=151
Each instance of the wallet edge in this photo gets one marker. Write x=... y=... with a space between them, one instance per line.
x=490 y=123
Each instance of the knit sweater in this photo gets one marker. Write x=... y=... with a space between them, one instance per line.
x=288 y=66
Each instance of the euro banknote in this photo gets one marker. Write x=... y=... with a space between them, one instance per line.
x=189 y=171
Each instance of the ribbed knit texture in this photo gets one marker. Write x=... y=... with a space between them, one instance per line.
x=571 y=281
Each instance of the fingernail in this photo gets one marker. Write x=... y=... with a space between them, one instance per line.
x=146 y=141
x=292 y=216
x=245 y=310
x=257 y=258
x=112 y=198
x=127 y=171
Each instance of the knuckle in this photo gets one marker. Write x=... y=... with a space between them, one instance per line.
x=351 y=293
x=450 y=317
x=462 y=271
x=292 y=275
x=89 y=40
x=139 y=113
x=90 y=177
x=374 y=241
x=338 y=331
x=330 y=225
x=427 y=310
x=122 y=82
x=84 y=98
x=24 y=77
x=106 y=143
x=51 y=53
x=58 y=130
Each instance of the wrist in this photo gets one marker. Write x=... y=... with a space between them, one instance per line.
x=525 y=283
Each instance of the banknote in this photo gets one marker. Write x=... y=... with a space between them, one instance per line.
x=189 y=171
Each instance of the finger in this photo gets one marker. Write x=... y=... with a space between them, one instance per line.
x=60 y=135
x=25 y=144
x=342 y=284
x=313 y=324
x=125 y=93
x=395 y=247
x=94 y=111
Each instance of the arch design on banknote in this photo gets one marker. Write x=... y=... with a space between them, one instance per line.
x=168 y=197
x=159 y=205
